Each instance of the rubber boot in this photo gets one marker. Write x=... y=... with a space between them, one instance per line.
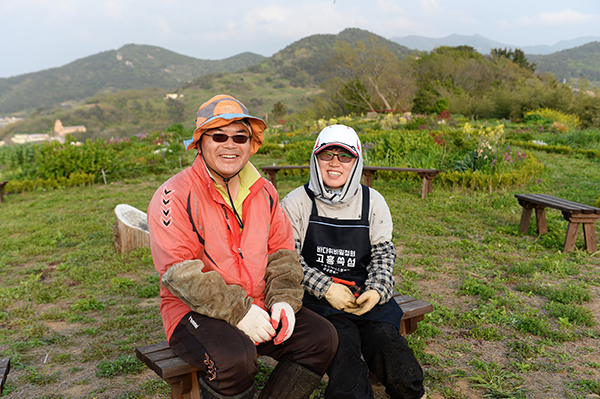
x=209 y=393
x=289 y=380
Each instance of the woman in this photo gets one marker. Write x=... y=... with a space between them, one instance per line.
x=343 y=232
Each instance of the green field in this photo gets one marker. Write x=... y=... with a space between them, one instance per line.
x=514 y=316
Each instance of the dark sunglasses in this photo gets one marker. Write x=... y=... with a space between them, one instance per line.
x=221 y=138
x=327 y=156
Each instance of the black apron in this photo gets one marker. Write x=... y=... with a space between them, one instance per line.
x=342 y=248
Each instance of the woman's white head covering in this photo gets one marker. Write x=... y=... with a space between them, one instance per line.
x=346 y=138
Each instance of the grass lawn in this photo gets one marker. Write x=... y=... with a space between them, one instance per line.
x=513 y=315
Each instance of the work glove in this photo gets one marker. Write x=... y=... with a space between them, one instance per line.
x=340 y=297
x=257 y=325
x=282 y=312
x=366 y=302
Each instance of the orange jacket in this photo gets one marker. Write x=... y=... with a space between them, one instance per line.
x=189 y=219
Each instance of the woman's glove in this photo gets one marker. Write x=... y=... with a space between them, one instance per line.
x=340 y=297
x=257 y=325
x=282 y=312
x=366 y=302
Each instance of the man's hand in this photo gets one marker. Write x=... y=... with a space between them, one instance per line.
x=282 y=312
x=366 y=302
x=257 y=325
x=340 y=297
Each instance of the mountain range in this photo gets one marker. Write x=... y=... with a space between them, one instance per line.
x=484 y=45
x=302 y=63
x=130 y=67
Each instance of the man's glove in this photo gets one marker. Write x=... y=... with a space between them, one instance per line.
x=340 y=297
x=366 y=302
x=283 y=312
x=257 y=325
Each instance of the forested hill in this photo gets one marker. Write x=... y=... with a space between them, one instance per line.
x=575 y=63
x=308 y=60
x=130 y=67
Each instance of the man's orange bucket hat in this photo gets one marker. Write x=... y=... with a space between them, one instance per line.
x=221 y=110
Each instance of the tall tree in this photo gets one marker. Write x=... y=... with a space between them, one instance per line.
x=370 y=77
x=517 y=56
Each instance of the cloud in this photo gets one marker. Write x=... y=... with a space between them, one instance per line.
x=552 y=19
x=430 y=6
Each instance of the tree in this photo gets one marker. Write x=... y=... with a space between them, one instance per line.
x=369 y=76
x=279 y=110
x=517 y=56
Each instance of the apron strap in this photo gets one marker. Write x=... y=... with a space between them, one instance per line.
x=365 y=201
x=311 y=195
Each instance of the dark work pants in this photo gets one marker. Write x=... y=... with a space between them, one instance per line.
x=384 y=351
x=228 y=356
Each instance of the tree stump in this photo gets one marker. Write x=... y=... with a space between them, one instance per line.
x=131 y=230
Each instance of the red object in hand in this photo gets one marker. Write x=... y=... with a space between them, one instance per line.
x=284 y=327
x=351 y=284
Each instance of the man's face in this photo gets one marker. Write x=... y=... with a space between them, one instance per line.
x=226 y=158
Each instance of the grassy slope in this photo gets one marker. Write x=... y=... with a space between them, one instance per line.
x=461 y=251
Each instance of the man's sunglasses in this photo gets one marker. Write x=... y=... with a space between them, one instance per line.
x=221 y=138
x=327 y=156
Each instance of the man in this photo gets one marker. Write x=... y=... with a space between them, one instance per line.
x=230 y=278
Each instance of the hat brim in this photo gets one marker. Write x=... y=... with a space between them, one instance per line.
x=351 y=150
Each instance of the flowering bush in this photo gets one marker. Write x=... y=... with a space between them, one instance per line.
x=552 y=115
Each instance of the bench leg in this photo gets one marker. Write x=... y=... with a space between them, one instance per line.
x=272 y=176
x=425 y=189
x=408 y=326
x=571 y=237
x=367 y=178
x=590 y=237
x=540 y=217
x=185 y=387
x=525 y=218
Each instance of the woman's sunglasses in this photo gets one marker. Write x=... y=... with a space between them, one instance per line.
x=327 y=156
x=221 y=138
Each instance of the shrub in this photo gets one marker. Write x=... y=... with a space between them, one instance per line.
x=551 y=115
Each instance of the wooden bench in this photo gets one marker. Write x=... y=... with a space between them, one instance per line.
x=183 y=378
x=574 y=212
x=4 y=369
x=426 y=174
x=2 y=184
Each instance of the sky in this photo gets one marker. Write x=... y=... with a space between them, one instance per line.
x=40 y=34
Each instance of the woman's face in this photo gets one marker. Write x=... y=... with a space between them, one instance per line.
x=334 y=172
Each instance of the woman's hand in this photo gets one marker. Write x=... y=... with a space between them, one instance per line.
x=366 y=302
x=340 y=297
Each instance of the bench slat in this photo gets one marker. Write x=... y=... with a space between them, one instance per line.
x=558 y=203
x=416 y=308
x=174 y=367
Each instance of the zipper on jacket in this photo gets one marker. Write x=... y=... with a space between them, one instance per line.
x=240 y=252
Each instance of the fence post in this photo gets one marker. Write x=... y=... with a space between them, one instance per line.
x=104 y=176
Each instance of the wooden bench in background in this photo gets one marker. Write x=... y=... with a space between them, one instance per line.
x=183 y=378
x=2 y=184
x=4 y=369
x=426 y=174
x=574 y=212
